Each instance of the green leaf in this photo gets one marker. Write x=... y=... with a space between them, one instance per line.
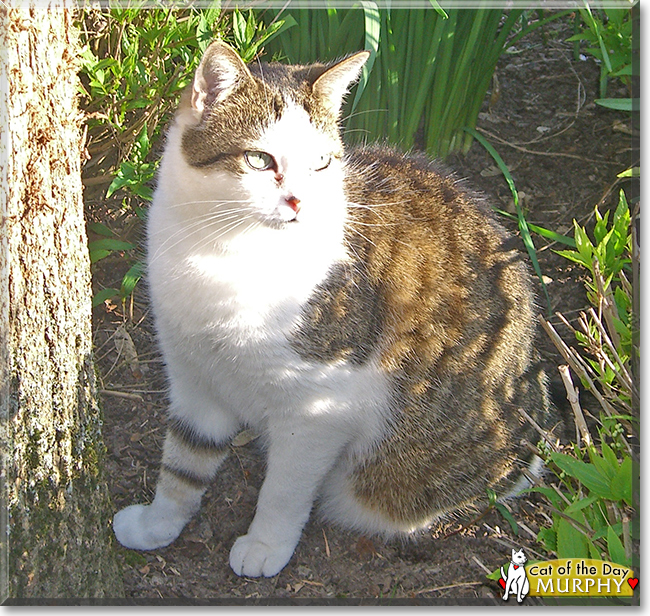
x=623 y=481
x=508 y=517
x=103 y=295
x=583 y=243
x=587 y=474
x=620 y=104
x=101 y=229
x=609 y=455
x=548 y=538
x=98 y=255
x=109 y=245
x=632 y=172
x=581 y=504
x=203 y=33
x=131 y=278
x=523 y=224
x=603 y=465
x=574 y=256
x=495 y=575
x=547 y=233
x=554 y=498
x=616 y=549
x=571 y=543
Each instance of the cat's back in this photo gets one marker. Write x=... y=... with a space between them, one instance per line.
x=455 y=288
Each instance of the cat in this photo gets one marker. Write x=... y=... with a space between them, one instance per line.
x=516 y=581
x=360 y=308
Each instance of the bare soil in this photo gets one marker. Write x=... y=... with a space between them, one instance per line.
x=564 y=153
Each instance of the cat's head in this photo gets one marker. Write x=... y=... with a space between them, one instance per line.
x=266 y=136
x=518 y=558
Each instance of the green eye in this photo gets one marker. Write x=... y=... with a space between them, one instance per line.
x=323 y=162
x=260 y=161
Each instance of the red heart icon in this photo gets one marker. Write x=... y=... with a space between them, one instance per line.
x=633 y=582
x=503 y=583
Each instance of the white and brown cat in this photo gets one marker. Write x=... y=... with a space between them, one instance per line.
x=360 y=308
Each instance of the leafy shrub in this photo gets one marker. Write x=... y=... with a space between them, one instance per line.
x=609 y=34
x=593 y=505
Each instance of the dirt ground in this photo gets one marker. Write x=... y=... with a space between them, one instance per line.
x=564 y=153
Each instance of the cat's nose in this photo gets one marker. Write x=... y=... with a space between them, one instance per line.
x=293 y=202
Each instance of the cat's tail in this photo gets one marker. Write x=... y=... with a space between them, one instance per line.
x=504 y=577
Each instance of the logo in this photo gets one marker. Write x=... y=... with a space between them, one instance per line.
x=566 y=577
x=515 y=581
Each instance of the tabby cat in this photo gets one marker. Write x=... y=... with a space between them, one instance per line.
x=359 y=308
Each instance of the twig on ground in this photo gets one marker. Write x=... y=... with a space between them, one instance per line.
x=574 y=401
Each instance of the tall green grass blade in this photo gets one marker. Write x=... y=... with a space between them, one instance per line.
x=372 y=24
x=521 y=219
x=438 y=9
x=542 y=231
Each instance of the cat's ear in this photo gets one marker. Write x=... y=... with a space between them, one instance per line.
x=332 y=85
x=220 y=72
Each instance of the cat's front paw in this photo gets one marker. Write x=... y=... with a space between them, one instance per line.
x=250 y=557
x=141 y=527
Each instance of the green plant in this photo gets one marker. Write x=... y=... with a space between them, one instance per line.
x=592 y=504
x=428 y=71
x=608 y=33
x=524 y=227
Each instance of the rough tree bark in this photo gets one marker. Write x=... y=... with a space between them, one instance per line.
x=56 y=508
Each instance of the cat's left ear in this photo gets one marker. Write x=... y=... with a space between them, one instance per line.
x=332 y=85
x=220 y=72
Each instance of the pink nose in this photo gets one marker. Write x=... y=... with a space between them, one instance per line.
x=293 y=202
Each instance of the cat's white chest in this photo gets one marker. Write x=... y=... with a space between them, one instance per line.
x=258 y=286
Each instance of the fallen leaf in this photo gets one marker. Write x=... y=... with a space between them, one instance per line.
x=243 y=438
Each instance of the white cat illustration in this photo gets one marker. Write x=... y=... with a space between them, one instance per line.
x=516 y=580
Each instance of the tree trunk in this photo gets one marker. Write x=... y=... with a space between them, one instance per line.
x=57 y=510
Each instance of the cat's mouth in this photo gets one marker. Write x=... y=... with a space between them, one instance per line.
x=285 y=213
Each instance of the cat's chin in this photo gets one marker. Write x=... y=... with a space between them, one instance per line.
x=277 y=221
x=279 y=225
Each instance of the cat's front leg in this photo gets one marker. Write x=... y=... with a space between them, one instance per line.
x=189 y=463
x=299 y=458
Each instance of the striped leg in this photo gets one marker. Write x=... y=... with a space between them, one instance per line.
x=189 y=463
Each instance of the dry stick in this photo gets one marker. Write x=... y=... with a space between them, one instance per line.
x=481 y=565
x=574 y=401
x=576 y=363
x=121 y=394
x=624 y=374
x=543 y=433
x=527 y=151
x=327 y=545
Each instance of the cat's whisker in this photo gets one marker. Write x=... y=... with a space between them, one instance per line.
x=196 y=225
x=200 y=221
x=362 y=112
x=362 y=235
x=206 y=202
x=219 y=233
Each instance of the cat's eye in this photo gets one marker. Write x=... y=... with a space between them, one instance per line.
x=260 y=161
x=323 y=162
